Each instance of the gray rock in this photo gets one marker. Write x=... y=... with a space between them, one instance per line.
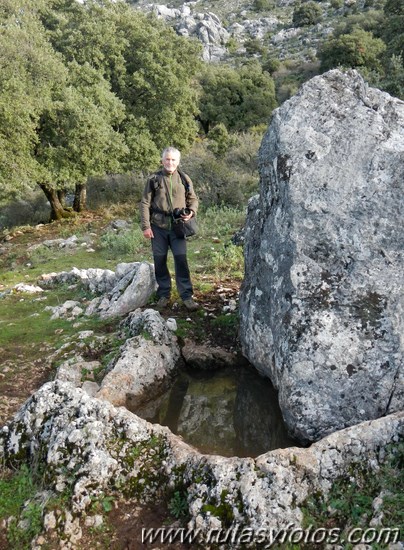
x=207 y=357
x=146 y=364
x=124 y=290
x=72 y=370
x=238 y=238
x=285 y=34
x=135 y=283
x=29 y=289
x=88 y=446
x=91 y=388
x=68 y=310
x=120 y=225
x=96 y=280
x=172 y=324
x=254 y=28
x=322 y=303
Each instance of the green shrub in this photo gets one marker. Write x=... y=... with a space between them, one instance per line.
x=178 y=505
x=263 y=5
x=309 y=13
x=129 y=242
x=353 y=50
x=114 y=189
x=230 y=179
x=220 y=221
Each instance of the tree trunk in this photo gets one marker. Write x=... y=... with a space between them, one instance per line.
x=80 y=197
x=58 y=212
x=62 y=196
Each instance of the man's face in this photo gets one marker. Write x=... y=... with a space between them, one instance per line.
x=170 y=162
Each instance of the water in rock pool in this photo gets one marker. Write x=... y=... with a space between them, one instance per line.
x=230 y=412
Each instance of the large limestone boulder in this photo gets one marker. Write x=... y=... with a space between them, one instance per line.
x=322 y=301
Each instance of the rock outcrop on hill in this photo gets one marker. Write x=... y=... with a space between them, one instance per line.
x=209 y=29
x=322 y=302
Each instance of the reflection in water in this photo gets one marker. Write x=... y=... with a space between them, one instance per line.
x=231 y=412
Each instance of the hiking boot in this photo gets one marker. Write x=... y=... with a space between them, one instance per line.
x=191 y=305
x=163 y=302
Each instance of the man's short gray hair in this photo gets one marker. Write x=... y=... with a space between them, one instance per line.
x=171 y=150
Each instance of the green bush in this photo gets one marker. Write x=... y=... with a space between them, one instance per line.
x=114 y=189
x=238 y=97
x=358 y=49
x=263 y=5
x=220 y=141
x=393 y=81
x=229 y=179
x=309 y=13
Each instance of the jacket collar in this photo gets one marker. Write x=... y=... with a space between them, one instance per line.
x=165 y=173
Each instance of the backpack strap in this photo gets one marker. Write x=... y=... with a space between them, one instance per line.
x=157 y=178
x=184 y=180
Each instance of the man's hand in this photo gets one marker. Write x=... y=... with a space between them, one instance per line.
x=187 y=218
x=148 y=234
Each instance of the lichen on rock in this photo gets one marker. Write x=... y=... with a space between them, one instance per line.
x=321 y=306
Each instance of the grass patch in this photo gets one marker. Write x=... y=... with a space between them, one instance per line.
x=24 y=321
x=227 y=324
x=350 y=502
x=125 y=243
x=228 y=262
x=220 y=222
x=15 y=491
x=26 y=324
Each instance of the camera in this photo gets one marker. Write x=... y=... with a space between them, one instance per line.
x=178 y=212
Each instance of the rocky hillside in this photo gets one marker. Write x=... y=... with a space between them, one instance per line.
x=231 y=29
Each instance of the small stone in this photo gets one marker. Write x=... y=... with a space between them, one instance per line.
x=49 y=521
x=171 y=324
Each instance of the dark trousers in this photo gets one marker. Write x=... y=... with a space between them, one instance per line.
x=163 y=240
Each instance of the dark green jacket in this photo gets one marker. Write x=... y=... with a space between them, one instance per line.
x=154 y=206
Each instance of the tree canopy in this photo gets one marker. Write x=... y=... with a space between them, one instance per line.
x=358 y=49
x=148 y=66
x=308 y=13
x=86 y=89
x=30 y=73
x=239 y=98
x=393 y=32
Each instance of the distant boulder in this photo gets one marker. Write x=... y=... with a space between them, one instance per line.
x=322 y=302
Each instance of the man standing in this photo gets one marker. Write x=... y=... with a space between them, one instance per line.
x=165 y=191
